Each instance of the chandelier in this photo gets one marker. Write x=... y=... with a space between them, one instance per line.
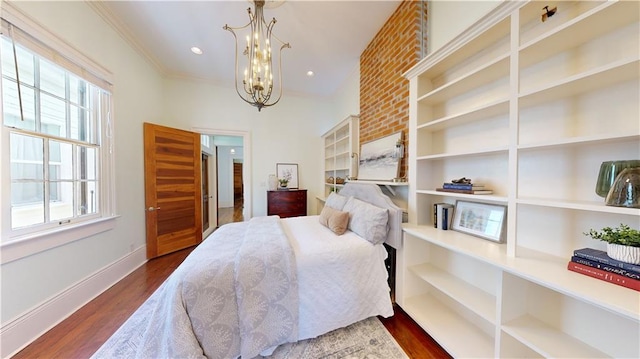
x=257 y=79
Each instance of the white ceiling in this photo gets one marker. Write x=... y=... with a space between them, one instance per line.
x=326 y=37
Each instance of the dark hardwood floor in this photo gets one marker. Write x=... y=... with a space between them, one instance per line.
x=230 y=214
x=80 y=335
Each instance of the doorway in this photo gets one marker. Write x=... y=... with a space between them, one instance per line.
x=230 y=197
x=230 y=155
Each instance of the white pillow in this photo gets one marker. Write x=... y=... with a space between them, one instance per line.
x=368 y=221
x=336 y=201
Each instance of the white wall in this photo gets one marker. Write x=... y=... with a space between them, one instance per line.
x=346 y=100
x=448 y=18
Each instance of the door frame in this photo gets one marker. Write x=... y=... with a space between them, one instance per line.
x=247 y=211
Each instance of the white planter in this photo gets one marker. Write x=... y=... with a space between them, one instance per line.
x=622 y=253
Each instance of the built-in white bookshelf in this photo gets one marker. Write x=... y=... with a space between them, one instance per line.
x=340 y=144
x=529 y=108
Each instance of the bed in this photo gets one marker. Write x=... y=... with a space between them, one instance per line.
x=254 y=285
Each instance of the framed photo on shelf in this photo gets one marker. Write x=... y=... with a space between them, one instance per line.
x=288 y=171
x=483 y=220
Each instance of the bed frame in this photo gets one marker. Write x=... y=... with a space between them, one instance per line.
x=370 y=192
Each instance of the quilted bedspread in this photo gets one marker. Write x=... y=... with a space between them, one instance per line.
x=215 y=307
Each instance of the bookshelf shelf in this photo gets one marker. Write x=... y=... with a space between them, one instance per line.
x=484 y=305
x=340 y=142
x=549 y=342
x=486 y=151
x=530 y=109
x=482 y=197
x=498 y=107
x=442 y=321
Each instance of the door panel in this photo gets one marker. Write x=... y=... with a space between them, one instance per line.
x=173 y=192
x=205 y=192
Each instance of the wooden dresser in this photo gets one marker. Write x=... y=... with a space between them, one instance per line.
x=289 y=203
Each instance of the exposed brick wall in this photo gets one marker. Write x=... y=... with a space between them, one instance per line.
x=384 y=92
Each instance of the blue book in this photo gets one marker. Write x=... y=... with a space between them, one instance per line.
x=445 y=218
x=606 y=267
x=465 y=186
x=602 y=257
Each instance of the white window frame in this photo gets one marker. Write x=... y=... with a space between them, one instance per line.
x=16 y=244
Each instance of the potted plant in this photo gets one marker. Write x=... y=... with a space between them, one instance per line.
x=623 y=242
x=283 y=182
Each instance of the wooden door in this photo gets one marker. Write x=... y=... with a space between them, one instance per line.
x=205 y=192
x=237 y=184
x=173 y=190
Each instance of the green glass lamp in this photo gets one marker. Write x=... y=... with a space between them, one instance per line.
x=609 y=170
x=625 y=190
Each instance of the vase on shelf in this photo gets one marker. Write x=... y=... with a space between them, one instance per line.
x=273 y=182
x=625 y=190
x=627 y=254
x=609 y=170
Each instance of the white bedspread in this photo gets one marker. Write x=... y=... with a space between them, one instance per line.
x=209 y=307
x=236 y=294
x=341 y=279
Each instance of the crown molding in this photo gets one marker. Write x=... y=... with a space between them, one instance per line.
x=125 y=32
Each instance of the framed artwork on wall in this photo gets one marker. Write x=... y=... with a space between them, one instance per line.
x=380 y=159
x=480 y=219
x=288 y=171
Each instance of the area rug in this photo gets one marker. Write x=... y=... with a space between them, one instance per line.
x=367 y=339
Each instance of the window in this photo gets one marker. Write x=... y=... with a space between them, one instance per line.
x=56 y=122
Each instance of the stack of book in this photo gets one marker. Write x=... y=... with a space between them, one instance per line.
x=597 y=264
x=442 y=215
x=469 y=188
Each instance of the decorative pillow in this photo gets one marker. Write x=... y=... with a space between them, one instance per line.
x=368 y=221
x=336 y=221
x=336 y=201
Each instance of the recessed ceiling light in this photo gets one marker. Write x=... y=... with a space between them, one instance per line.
x=310 y=73
x=196 y=50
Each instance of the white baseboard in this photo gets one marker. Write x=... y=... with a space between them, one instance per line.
x=23 y=330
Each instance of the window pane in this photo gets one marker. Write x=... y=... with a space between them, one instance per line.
x=87 y=163
x=53 y=178
x=78 y=93
x=52 y=79
x=60 y=161
x=88 y=197
x=27 y=203
x=11 y=106
x=53 y=116
x=27 y=156
x=60 y=200
x=25 y=62
x=27 y=193
x=81 y=126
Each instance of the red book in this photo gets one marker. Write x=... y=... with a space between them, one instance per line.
x=604 y=275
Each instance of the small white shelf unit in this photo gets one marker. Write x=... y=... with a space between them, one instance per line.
x=340 y=143
x=531 y=109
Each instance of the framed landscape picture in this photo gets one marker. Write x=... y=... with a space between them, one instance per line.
x=379 y=159
x=480 y=219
